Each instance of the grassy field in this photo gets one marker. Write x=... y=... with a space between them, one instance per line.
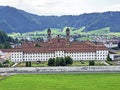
x=101 y=31
x=62 y=82
x=55 y=31
x=1 y=77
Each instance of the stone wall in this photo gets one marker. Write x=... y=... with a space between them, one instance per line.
x=60 y=69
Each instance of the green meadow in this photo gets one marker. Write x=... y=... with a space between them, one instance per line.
x=55 y=31
x=87 y=81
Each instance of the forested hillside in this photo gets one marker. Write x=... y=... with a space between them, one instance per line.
x=14 y=20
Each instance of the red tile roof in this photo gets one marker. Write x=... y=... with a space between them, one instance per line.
x=53 y=45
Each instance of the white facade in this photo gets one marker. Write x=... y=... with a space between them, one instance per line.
x=16 y=56
x=76 y=56
x=101 y=55
x=115 y=56
x=58 y=47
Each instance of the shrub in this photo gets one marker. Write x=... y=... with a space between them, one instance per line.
x=1 y=65
x=91 y=63
x=6 y=63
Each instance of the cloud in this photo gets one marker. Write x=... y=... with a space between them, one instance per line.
x=115 y=7
x=63 y=7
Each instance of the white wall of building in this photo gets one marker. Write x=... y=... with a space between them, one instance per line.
x=115 y=56
x=76 y=56
x=101 y=55
x=16 y=56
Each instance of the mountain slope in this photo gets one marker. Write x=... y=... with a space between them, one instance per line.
x=14 y=20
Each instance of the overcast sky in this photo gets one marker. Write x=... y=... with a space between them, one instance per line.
x=63 y=7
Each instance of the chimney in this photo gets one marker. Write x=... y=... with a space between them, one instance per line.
x=58 y=38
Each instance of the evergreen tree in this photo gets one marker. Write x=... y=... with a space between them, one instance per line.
x=57 y=61
x=3 y=37
x=5 y=40
x=91 y=63
x=1 y=65
x=119 y=45
x=7 y=45
x=51 y=62
x=1 y=47
x=62 y=61
x=27 y=64
x=108 y=58
x=68 y=60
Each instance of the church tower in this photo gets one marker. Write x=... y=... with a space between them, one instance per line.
x=68 y=34
x=48 y=34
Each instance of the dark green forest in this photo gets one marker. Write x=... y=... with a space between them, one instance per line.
x=5 y=40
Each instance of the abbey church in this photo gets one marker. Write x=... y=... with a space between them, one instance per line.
x=57 y=47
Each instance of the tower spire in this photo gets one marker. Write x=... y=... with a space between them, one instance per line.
x=68 y=34
x=48 y=34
